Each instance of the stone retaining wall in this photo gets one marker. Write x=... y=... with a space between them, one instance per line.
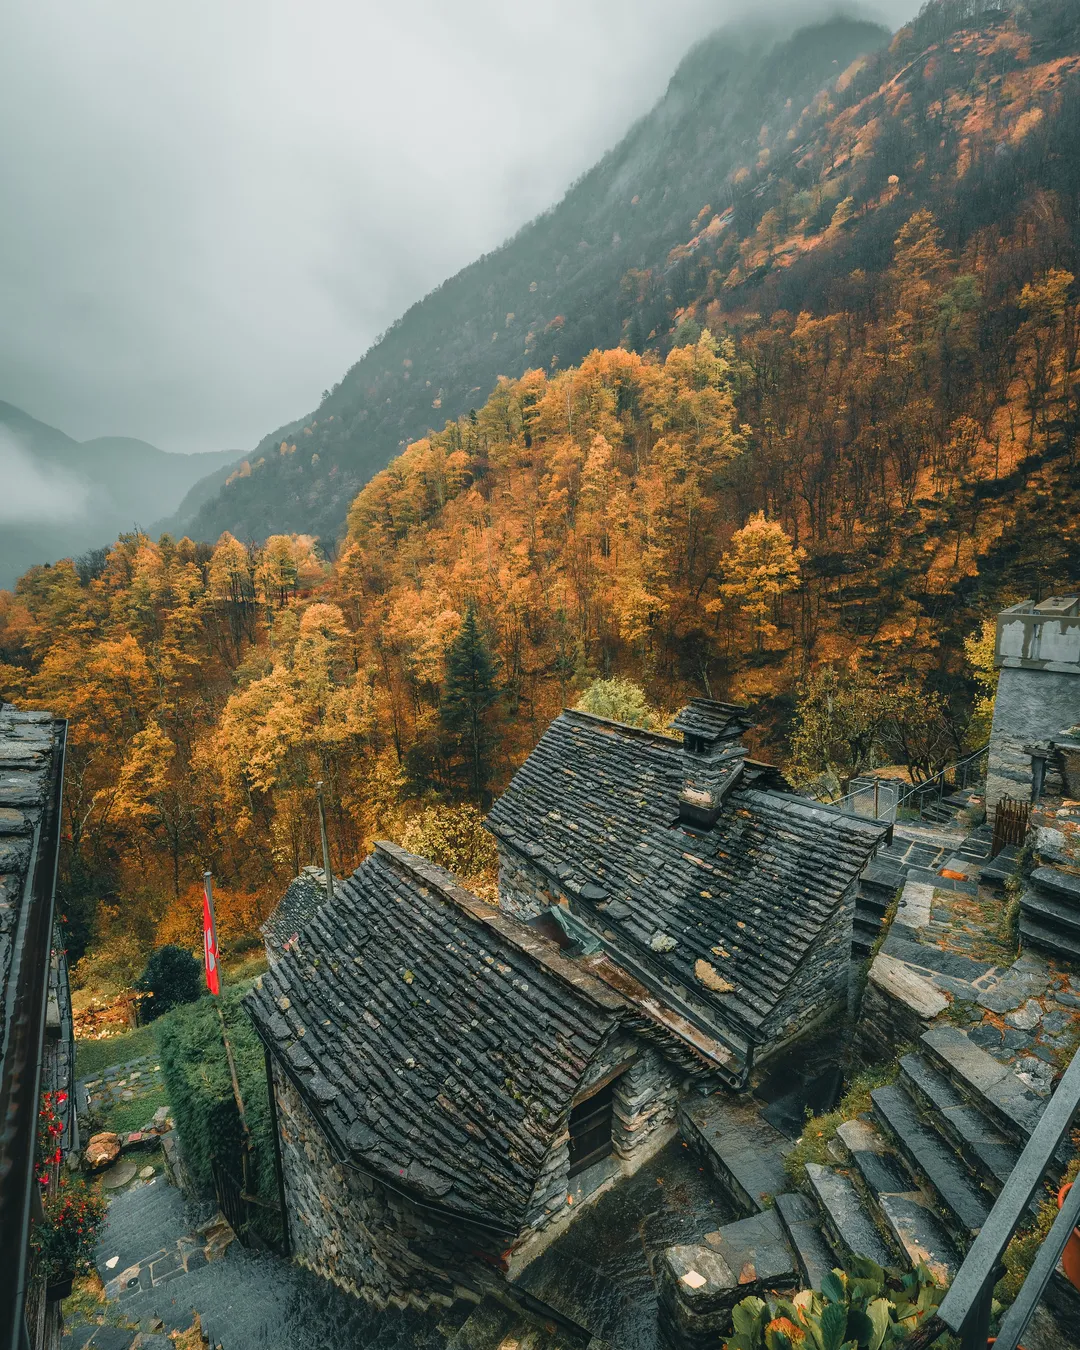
x=366 y=1238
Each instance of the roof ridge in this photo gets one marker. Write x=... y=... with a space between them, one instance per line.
x=640 y=733
x=539 y=949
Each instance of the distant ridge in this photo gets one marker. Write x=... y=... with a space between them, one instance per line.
x=65 y=497
x=591 y=272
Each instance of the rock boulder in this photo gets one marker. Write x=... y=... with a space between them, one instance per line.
x=102 y=1150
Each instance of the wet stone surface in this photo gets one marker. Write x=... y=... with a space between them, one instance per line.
x=602 y=1271
x=172 y=1264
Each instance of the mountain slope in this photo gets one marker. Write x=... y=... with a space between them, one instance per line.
x=570 y=281
x=63 y=496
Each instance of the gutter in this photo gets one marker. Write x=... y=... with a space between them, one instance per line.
x=20 y=1078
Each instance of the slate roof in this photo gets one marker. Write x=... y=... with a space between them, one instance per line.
x=595 y=808
x=29 y=742
x=438 y=1042
x=303 y=896
x=712 y=721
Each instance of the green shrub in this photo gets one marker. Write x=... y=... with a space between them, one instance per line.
x=862 y=1307
x=819 y=1131
x=621 y=701
x=199 y=1088
x=172 y=977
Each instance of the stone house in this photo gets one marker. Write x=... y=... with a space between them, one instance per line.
x=1037 y=652
x=691 y=867
x=37 y=1045
x=452 y=1080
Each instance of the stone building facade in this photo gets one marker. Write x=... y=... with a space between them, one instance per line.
x=1037 y=651
x=454 y=1080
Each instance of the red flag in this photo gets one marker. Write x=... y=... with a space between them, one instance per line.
x=213 y=982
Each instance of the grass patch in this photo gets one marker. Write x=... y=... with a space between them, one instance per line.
x=91 y=1057
x=1024 y=1247
x=123 y=1117
x=819 y=1131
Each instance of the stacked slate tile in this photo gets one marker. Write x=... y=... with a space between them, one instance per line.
x=437 y=1042
x=303 y=896
x=730 y=913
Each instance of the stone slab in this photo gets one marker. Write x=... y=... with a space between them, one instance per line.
x=910 y=987
x=846 y=1223
x=1013 y=1107
x=755 y=1250
x=803 y=1228
x=744 y=1152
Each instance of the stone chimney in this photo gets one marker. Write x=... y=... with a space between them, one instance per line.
x=1038 y=696
x=713 y=758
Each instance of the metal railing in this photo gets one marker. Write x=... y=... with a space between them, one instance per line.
x=886 y=801
x=966 y=1308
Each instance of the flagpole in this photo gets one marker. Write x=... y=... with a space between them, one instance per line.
x=245 y=1134
x=328 y=876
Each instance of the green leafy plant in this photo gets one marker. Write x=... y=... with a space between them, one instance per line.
x=63 y=1241
x=172 y=977
x=862 y=1308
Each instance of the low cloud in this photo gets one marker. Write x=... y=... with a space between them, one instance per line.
x=36 y=492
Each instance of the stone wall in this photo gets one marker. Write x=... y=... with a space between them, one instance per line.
x=523 y=892
x=368 y=1239
x=645 y=1099
x=1030 y=706
x=821 y=982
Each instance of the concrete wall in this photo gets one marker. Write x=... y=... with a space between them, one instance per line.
x=1032 y=704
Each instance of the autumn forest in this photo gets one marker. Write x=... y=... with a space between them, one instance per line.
x=807 y=496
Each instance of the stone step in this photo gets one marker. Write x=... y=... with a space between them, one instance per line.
x=1064 y=884
x=744 y=1152
x=872 y=904
x=867 y=924
x=494 y=1323
x=757 y=1249
x=844 y=1221
x=1036 y=933
x=861 y=946
x=992 y=1086
x=802 y=1226
x=881 y=880
x=963 y=1203
x=1053 y=912
x=997 y=870
x=914 y=1228
x=989 y=1155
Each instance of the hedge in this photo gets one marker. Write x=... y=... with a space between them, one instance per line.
x=196 y=1074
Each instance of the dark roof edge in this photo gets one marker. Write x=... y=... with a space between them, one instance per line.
x=26 y=996
x=639 y=733
x=341 y=1154
x=541 y=950
x=876 y=829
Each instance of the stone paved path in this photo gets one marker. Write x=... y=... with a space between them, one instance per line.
x=160 y=1262
x=120 y=1083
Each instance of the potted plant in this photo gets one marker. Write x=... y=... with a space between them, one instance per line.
x=1070 y=1257
x=63 y=1240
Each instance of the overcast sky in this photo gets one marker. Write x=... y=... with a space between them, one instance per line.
x=210 y=209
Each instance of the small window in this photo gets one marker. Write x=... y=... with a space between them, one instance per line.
x=590 y=1130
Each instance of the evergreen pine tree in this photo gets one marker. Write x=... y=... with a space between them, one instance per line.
x=469 y=694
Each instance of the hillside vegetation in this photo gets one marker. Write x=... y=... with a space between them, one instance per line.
x=847 y=446
x=83 y=492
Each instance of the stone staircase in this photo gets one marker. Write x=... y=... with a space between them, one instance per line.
x=911 y=1181
x=912 y=849
x=1050 y=912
